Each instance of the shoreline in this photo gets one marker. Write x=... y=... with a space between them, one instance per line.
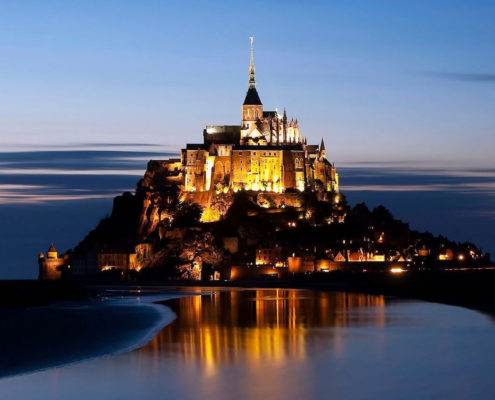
x=469 y=289
x=136 y=328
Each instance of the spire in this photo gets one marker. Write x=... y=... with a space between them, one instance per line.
x=252 y=97
x=252 y=80
x=323 y=152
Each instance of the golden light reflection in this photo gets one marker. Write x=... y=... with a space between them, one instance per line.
x=260 y=326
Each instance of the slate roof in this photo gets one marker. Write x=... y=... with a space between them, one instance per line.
x=272 y=114
x=252 y=98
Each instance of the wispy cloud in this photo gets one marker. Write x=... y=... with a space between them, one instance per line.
x=414 y=168
x=459 y=187
x=465 y=76
x=17 y=198
x=8 y=186
x=131 y=147
x=392 y=188
x=39 y=194
x=60 y=171
x=484 y=213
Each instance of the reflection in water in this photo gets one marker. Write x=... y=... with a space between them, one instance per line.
x=260 y=326
x=288 y=344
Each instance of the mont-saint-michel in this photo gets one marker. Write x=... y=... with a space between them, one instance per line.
x=190 y=213
x=251 y=201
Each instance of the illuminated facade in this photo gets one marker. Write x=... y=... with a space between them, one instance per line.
x=52 y=266
x=265 y=153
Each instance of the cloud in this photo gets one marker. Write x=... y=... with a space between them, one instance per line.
x=392 y=188
x=61 y=171
x=151 y=148
x=372 y=168
x=39 y=194
x=466 y=77
x=487 y=188
x=16 y=198
x=6 y=186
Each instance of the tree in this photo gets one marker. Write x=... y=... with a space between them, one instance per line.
x=187 y=214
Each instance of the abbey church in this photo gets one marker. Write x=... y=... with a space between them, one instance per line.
x=265 y=153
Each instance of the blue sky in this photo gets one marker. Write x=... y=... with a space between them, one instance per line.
x=379 y=80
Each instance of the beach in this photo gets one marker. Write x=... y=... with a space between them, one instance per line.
x=41 y=337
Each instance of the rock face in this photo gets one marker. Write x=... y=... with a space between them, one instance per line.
x=159 y=226
x=158 y=192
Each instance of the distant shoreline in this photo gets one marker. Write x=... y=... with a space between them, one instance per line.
x=469 y=289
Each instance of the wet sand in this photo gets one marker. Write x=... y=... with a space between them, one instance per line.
x=37 y=338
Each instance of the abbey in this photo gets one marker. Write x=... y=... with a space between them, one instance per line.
x=265 y=153
x=288 y=218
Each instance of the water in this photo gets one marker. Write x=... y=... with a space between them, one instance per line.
x=289 y=344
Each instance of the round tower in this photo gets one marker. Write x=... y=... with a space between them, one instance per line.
x=52 y=252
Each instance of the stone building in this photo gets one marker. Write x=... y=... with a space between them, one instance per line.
x=266 y=152
x=269 y=256
x=52 y=266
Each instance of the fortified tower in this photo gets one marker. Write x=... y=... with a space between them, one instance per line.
x=52 y=266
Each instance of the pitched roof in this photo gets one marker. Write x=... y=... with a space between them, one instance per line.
x=269 y=114
x=52 y=248
x=196 y=146
x=252 y=98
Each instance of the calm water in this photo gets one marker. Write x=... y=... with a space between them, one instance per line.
x=289 y=344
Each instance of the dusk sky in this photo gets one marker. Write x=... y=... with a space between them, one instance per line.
x=379 y=80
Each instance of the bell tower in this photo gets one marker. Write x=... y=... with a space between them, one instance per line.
x=252 y=108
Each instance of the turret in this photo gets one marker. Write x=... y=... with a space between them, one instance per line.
x=323 y=152
x=52 y=252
